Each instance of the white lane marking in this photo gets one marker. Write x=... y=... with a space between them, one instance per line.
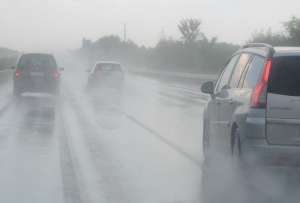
x=165 y=141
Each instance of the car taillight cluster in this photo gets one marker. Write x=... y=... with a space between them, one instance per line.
x=18 y=73
x=259 y=94
x=56 y=75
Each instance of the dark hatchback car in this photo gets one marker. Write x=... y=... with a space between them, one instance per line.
x=36 y=73
x=254 y=111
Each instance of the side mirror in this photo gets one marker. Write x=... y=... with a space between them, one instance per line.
x=208 y=88
x=61 y=69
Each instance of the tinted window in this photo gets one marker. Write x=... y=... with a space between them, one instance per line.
x=224 y=79
x=254 y=72
x=37 y=62
x=285 y=76
x=240 y=67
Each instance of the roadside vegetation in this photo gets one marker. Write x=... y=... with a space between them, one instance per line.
x=193 y=52
x=289 y=36
x=7 y=58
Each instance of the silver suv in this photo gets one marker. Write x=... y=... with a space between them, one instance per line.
x=254 y=110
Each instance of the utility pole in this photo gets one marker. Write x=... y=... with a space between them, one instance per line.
x=125 y=32
x=163 y=34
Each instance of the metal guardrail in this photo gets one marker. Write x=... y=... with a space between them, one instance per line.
x=5 y=75
x=197 y=78
x=175 y=74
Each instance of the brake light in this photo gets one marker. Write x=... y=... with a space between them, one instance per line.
x=56 y=75
x=259 y=94
x=18 y=73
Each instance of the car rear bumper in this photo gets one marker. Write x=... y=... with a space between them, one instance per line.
x=259 y=151
x=22 y=86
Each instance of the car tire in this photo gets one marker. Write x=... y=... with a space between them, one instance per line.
x=236 y=152
x=221 y=177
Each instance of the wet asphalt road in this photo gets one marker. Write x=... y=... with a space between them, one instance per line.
x=140 y=144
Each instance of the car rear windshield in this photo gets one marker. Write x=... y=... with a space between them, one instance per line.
x=37 y=62
x=285 y=76
x=109 y=67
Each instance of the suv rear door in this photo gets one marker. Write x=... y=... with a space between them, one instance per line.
x=283 y=102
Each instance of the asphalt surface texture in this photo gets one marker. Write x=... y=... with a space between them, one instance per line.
x=138 y=143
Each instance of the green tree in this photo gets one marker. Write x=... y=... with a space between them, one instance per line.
x=289 y=37
x=190 y=30
x=292 y=28
x=269 y=37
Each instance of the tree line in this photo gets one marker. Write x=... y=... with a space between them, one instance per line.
x=289 y=36
x=192 y=52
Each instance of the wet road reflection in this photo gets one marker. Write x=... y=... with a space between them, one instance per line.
x=29 y=155
x=85 y=146
x=37 y=111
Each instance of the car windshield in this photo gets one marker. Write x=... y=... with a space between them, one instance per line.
x=149 y=101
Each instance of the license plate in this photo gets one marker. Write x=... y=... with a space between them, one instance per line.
x=37 y=74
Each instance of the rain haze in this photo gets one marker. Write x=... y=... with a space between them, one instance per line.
x=61 y=24
x=182 y=101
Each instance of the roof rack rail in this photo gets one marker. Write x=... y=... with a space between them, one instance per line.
x=249 y=45
x=261 y=45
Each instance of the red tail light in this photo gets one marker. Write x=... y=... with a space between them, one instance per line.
x=259 y=94
x=56 y=75
x=18 y=73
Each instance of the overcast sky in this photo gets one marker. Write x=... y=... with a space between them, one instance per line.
x=31 y=25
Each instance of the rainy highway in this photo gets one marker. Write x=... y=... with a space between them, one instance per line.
x=160 y=101
x=140 y=143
